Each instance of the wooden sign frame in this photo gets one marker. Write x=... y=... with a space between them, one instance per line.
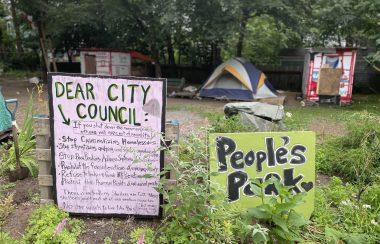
x=52 y=140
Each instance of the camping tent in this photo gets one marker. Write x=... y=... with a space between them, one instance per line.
x=237 y=79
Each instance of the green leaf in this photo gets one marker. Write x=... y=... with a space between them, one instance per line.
x=296 y=219
x=258 y=213
x=281 y=207
x=259 y=236
x=147 y=176
x=280 y=222
x=257 y=190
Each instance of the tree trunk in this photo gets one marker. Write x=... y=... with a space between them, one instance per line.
x=156 y=58
x=69 y=52
x=50 y=45
x=339 y=40
x=2 y=47
x=215 y=54
x=349 y=41
x=43 y=45
x=179 y=56
x=240 y=43
x=169 y=43
x=17 y=27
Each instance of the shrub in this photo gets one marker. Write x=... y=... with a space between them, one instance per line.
x=355 y=156
x=278 y=214
x=344 y=217
x=142 y=233
x=6 y=207
x=371 y=195
x=6 y=238
x=233 y=124
x=196 y=209
x=48 y=225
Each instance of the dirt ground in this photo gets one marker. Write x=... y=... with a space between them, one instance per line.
x=186 y=111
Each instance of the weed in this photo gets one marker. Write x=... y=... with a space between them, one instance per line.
x=107 y=240
x=343 y=217
x=233 y=124
x=48 y=224
x=5 y=187
x=355 y=156
x=121 y=241
x=26 y=143
x=196 y=210
x=371 y=196
x=6 y=238
x=6 y=207
x=34 y=197
x=278 y=214
x=141 y=233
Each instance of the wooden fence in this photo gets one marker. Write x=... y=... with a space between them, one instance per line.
x=43 y=154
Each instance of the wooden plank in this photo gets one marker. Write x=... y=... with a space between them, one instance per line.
x=44 y=167
x=41 y=126
x=46 y=201
x=170 y=184
x=280 y=100
x=43 y=154
x=46 y=192
x=42 y=141
x=172 y=131
x=45 y=180
x=329 y=81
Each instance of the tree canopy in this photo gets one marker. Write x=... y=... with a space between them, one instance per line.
x=202 y=32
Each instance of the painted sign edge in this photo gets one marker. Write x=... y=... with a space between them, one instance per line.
x=52 y=142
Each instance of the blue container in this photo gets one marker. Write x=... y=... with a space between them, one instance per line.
x=5 y=116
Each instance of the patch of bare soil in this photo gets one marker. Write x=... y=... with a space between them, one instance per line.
x=326 y=129
x=24 y=193
x=203 y=105
x=17 y=221
x=322 y=180
x=25 y=190
x=19 y=89
x=96 y=230
x=188 y=121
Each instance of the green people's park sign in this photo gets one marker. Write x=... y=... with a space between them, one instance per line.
x=242 y=157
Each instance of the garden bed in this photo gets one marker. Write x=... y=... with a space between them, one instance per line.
x=344 y=202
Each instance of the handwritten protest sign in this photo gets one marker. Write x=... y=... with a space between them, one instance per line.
x=241 y=157
x=106 y=134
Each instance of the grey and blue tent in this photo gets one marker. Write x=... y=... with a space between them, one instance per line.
x=237 y=79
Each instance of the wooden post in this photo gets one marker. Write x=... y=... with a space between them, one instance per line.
x=43 y=154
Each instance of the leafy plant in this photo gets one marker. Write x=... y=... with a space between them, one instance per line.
x=233 y=124
x=26 y=144
x=371 y=195
x=341 y=216
x=48 y=224
x=5 y=187
x=278 y=214
x=196 y=210
x=245 y=231
x=6 y=238
x=355 y=156
x=107 y=240
x=121 y=241
x=335 y=236
x=145 y=233
x=6 y=207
